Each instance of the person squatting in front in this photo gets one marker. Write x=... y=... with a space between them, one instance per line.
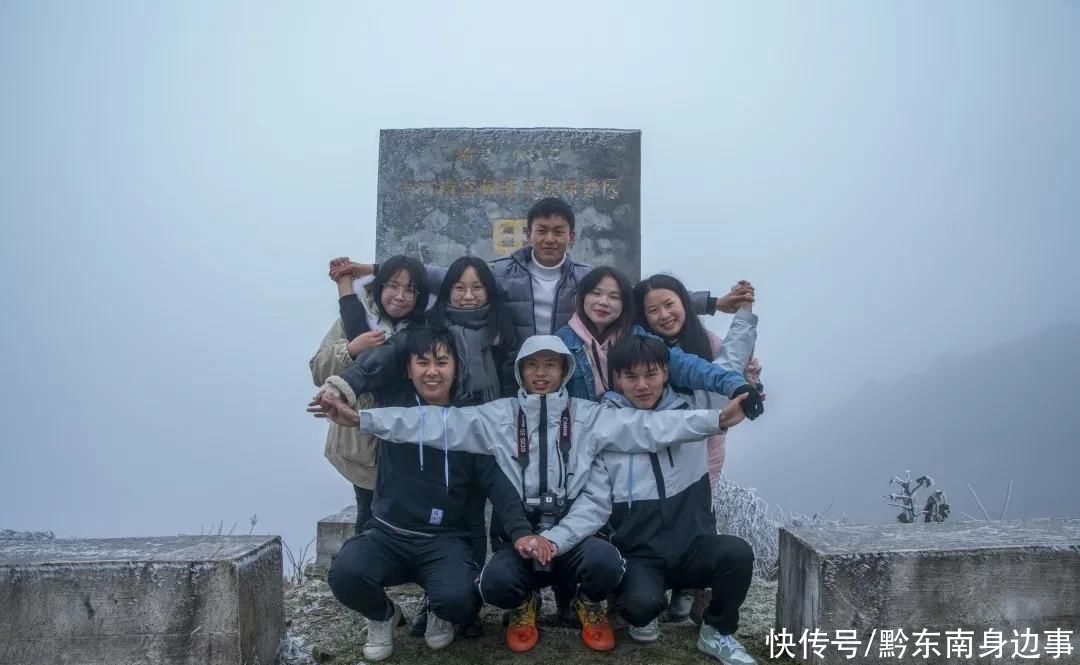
x=422 y=511
x=662 y=520
x=485 y=344
x=547 y=444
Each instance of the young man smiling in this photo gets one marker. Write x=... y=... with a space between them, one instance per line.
x=422 y=511
x=547 y=444
x=662 y=520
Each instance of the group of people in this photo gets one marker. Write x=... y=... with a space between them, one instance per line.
x=590 y=412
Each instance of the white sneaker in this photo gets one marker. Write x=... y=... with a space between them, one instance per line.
x=380 y=636
x=724 y=648
x=439 y=633
x=647 y=634
x=681 y=603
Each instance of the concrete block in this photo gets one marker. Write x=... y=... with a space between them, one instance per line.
x=185 y=600
x=330 y=533
x=978 y=576
x=446 y=193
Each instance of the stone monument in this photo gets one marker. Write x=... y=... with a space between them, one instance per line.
x=184 y=600
x=974 y=580
x=445 y=193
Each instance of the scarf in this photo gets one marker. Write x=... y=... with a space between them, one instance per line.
x=478 y=377
x=597 y=354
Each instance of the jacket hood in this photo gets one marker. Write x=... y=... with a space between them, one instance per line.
x=538 y=343
x=669 y=399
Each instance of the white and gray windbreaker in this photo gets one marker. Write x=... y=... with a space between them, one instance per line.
x=735 y=353
x=576 y=472
x=663 y=499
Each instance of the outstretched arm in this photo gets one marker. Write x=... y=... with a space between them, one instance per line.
x=695 y=373
x=738 y=345
x=473 y=429
x=640 y=431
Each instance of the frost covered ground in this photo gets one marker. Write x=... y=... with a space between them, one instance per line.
x=320 y=630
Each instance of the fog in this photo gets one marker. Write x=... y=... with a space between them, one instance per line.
x=898 y=180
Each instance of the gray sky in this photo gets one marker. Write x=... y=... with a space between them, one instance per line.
x=899 y=180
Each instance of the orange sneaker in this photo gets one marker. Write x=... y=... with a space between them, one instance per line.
x=596 y=632
x=521 y=632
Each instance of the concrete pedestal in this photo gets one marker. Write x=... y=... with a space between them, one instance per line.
x=187 y=600
x=330 y=533
x=977 y=576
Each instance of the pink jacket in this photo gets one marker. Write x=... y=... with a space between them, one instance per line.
x=717 y=442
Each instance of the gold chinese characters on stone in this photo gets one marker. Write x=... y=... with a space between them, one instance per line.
x=607 y=188
x=507 y=236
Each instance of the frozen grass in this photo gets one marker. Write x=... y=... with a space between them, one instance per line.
x=741 y=512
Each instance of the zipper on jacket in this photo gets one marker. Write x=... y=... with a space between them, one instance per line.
x=661 y=493
x=542 y=432
x=532 y=295
x=670 y=457
x=558 y=290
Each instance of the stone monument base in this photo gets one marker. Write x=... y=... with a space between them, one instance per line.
x=186 y=600
x=982 y=577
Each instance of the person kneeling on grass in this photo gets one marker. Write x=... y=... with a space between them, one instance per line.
x=422 y=513
x=548 y=444
x=662 y=520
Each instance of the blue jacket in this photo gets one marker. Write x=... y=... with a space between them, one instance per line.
x=686 y=370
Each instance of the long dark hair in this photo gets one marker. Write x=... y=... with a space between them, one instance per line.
x=621 y=326
x=496 y=317
x=692 y=338
x=418 y=277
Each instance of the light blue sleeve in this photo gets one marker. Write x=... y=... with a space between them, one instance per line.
x=739 y=342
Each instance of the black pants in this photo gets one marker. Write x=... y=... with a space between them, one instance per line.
x=507 y=580
x=363 y=507
x=723 y=563
x=379 y=558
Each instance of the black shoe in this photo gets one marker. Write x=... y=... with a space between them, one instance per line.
x=419 y=622
x=473 y=630
x=564 y=609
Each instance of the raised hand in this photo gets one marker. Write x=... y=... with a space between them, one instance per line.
x=742 y=294
x=336 y=265
x=349 y=269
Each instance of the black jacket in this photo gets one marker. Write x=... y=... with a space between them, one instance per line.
x=426 y=491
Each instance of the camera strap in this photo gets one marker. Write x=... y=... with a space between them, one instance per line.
x=522 y=452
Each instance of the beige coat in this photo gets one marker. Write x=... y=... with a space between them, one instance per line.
x=354 y=455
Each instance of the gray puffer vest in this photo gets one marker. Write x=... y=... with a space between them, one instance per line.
x=514 y=280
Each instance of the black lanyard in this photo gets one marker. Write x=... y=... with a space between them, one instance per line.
x=523 y=444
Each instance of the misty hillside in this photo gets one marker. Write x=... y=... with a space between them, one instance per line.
x=1007 y=413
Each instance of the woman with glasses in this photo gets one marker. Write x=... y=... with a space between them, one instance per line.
x=485 y=344
x=372 y=310
x=486 y=341
x=377 y=307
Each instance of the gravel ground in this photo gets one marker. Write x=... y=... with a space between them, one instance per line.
x=322 y=631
